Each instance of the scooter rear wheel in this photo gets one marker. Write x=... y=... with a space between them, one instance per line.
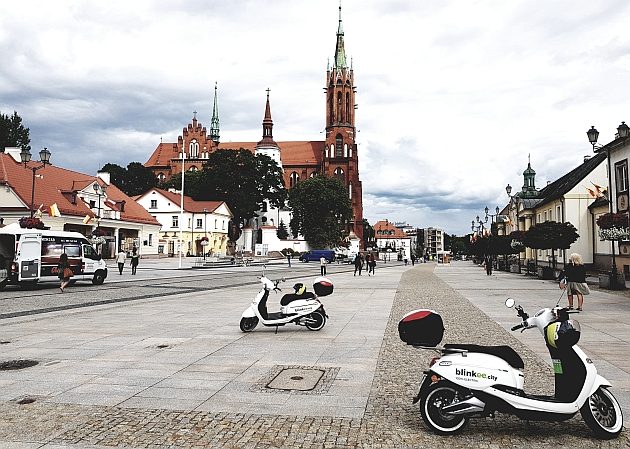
x=436 y=397
x=315 y=321
x=602 y=414
x=248 y=324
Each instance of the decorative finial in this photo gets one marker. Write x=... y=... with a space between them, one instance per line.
x=194 y=115
x=268 y=90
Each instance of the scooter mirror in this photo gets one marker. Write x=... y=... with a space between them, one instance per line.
x=509 y=302
x=283 y=280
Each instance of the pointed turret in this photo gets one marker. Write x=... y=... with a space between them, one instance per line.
x=529 y=187
x=267 y=145
x=214 y=122
x=340 y=52
x=267 y=126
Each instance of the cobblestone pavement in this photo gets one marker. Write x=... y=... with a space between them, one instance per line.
x=389 y=420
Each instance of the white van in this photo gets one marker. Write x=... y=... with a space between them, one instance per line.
x=29 y=256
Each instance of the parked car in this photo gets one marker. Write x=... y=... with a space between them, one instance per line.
x=316 y=254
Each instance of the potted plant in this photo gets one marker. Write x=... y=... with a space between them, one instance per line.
x=31 y=223
x=613 y=227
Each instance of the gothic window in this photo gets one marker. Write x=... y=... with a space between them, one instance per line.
x=350 y=190
x=350 y=151
x=339 y=146
x=193 y=168
x=313 y=174
x=345 y=150
x=339 y=108
x=332 y=150
x=293 y=179
x=161 y=177
x=339 y=175
x=347 y=107
x=193 y=149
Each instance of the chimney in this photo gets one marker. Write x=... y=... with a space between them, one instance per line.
x=105 y=176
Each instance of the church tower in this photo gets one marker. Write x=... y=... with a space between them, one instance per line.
x=267 y=145
x=340 y=159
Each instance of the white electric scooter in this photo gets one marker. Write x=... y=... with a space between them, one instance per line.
x=302 y=307
x=471 y=380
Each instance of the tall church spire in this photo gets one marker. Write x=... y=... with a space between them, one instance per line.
x=214 y=123
x=267 y=126
x=340 y=52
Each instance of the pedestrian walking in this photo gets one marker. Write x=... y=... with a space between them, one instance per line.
x=358 y=264
x=64 y=272
x=135 y=259
x=573 y=278
x=371 y=264
x=120 y=260
x=488 y=262
x=289 y=258
x=413 y=260
x=322 y=265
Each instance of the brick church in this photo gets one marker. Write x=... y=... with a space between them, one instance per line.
x=336 y=156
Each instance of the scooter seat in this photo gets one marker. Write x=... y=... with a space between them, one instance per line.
x=290 y=297
x=503 y=352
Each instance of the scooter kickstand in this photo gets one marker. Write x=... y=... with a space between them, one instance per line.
x=276 y=328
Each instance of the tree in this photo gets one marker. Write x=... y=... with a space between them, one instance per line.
x=368 y=234
x=243 y=180
x=282 y=232
x=13 y=133
x=321 y=210
x=133 y=180
x=551 y=235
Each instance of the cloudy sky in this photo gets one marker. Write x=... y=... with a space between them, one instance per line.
x=453 y=95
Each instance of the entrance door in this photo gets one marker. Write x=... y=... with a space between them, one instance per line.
x=29 y=255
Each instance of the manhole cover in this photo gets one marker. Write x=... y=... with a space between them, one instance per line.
x=300 y=379
x=17 y=364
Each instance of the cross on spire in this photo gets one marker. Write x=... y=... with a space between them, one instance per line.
x=194 y=115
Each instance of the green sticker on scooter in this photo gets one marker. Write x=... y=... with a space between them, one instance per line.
x=557 y=366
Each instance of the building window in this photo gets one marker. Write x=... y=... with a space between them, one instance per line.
x=621 y=176
x=264 y=206
x=161 y=177
x=193 y=168
x=215 y=223
x=223 y=226
x=313 y=174
x=193 y=149
x=339 y=175
x=293 y=179
x=150 y=239
x=175 y=221
x=153 y=204
x=199 y=223
x=339 y=146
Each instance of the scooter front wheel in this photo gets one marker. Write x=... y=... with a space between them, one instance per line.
x=602 y=414
x=315 y=321
x=248 y=324
x=433 y=400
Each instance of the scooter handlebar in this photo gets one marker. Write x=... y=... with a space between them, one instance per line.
x=518 y=326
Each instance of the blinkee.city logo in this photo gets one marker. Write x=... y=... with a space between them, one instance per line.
x=474 y=374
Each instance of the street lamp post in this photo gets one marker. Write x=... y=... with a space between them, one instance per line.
x=623 y=131
x=44 y=158
x=486 y=210
x=205 y=232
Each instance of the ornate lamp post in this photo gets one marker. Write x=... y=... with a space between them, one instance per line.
x=205 y=232
x=44 y=158
x=514 y=200
x=623 y=131
x=486 y=210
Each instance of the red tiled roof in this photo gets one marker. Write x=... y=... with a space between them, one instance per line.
x=56 y=186
x=297 y=153
x=190 y=205
x=385 y=225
